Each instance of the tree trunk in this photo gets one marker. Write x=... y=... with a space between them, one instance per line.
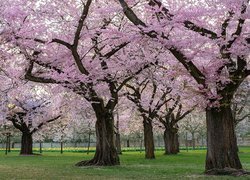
x=118 y=143
x=128 y=143
x=202 y=141
x=6 y=148
x=171 y=141
x=106 y=154
x=88 y=142
x=26 y=144
x=141 y=142
x=193 y=140
x=148 y=139
x=61 y=147
x=40 y=147
x=221 y=141
x=9 y=144
x=186 y=141
x=117 y=135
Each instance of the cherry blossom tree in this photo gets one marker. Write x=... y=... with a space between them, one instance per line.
x=89 y=48
x=28 y=114
x=240 y=108
x=82 y=124
x=130 y=121
x=165 y=103
x=170 y=118
x=215 y=51
x=241 y=103
x=148 y=106
x=117 y=127
x=74 y=44
x=193 y=123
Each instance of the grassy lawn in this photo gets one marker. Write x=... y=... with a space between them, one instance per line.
x=52 y=165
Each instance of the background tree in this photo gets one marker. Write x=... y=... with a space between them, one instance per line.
x=193 y=124
x=241 y=103
x=170 y=118
x=143 y=92
x=24 y=118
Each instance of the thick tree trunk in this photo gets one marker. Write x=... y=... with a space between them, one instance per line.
x=221 y=141
x=171 y=141
x=26 y=144
x=106 y=154
x=148 y=139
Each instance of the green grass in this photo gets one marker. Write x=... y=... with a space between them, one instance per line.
x=92 y=149
x=53 y=165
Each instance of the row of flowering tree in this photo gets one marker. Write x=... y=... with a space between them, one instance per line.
x=99 y=48
x=157 y=97
x=216 y=54
x=70 y=49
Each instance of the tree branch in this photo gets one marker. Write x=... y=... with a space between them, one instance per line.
x=49 y=66
x=64 y=43
x=30 y=77
x=185 y=114
x=225 y=24
x=188 y=64
x=238 y=120
x=14 y=122
x=152 y=96
x=126 y=80
x=188 y=24
x=236 y=34
x=43 y=123
x=136 y=98
x=80 y=23
x=131 y=15
x=115 y=50
x=162 y=101
x=74 y=47
x=248 y=72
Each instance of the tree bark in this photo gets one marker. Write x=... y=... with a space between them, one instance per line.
x=9 y=144
x=88 y=142
x=6 y=144
x=26 y=144
x=106 y=154
x=40 y=147
x=171 y=141
x=117 y=135
x=193 y=140
x=128 y=145
x=202 y=141
x=148 y=139
x=61 y=143
x=221 y=140
x=118 y=143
